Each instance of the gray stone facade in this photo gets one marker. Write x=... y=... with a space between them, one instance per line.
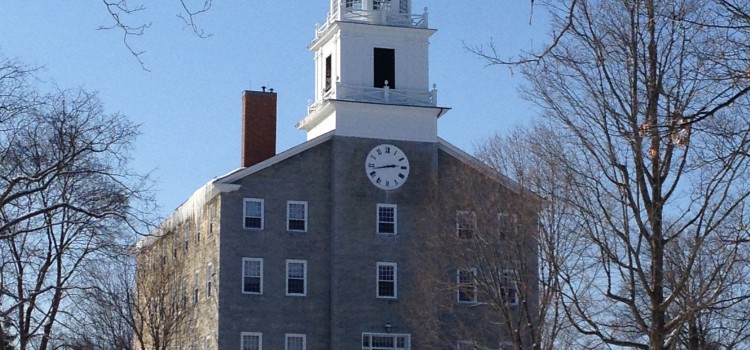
x=341 y=248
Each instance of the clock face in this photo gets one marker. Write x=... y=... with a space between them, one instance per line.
x=387 y=167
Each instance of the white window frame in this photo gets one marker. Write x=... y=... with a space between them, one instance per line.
x=195 y=287
x=186 y=230
x=207 y=343
x=260 y=261
x=512 y=276
x=378 y=280
x=473 y=272
x=378 y=221
x=472 y=216
x=304 y=277
x=251 y=334
x=289 y=215
x=184 y=292
x=209 y=279
x=289 y=336
x=368 y=345
x=211 y=217
x=512 y=220
x=245 y=216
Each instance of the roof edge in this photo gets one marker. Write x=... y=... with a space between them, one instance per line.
x=479 y=166
x=242 y=172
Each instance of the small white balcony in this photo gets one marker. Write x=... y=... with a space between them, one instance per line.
x=384 y=95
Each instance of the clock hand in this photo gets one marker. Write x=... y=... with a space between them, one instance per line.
x=386 y=166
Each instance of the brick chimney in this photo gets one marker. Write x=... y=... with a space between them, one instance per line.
x=258 y=126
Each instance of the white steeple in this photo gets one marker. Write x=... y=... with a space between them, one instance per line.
x=372 y=73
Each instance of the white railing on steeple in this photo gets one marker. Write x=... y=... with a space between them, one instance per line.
x=382 y=16
x=384 y=95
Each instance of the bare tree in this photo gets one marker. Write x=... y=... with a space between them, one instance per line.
x=123 y=11
x=649 y=101
x=490 y=247
x=67 y=199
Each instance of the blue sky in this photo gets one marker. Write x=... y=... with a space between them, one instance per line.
x=188 y=105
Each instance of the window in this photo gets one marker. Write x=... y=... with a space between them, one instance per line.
x=386 y=341
x=295 y=342
x=209 y=279
x=207 y=343
x=197 y=236
x=296 y=216
x=211 y=218
x=387 y=280
x=466 y=345
x=253 y=213
x=472 y=345
x=354 y=4
x=509 y=286
x=296 y=277
x=186 y=232
x=466 y=281
x=403 y=6
x=195 y=287
x=328 y=73
x=384 y=68
x=184 y=292
x=507 y=225
x=466 y=224
x=251 y=341
x=174 y=245
x=387 y=219
x=380 y=4
x=252 y=276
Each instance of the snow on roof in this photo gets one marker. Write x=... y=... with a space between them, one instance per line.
x=191 y=209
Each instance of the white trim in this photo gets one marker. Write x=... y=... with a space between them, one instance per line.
x=295 y=335
x=369 y=346
x=473 y=271
x=304 y=277
x=461 y=217
x=513 y=279
x=242 y=282
x=244 y=213
x=251 y=334
x=209 y=280
x=395 y=219
x=289 y=218
x=196 y=288
x=512 y=222
x=395 y=280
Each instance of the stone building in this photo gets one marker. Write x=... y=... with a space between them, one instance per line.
x=328 y=245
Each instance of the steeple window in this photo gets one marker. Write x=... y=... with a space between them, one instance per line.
x=328 y=73
x=403 y=6
x=384 y=68
x=354 y=4
x=380 y=4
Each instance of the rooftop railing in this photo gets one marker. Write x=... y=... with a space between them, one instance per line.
x=384 y=95
x=383 y=16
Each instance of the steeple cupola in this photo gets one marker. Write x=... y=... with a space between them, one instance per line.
x=372 y=73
